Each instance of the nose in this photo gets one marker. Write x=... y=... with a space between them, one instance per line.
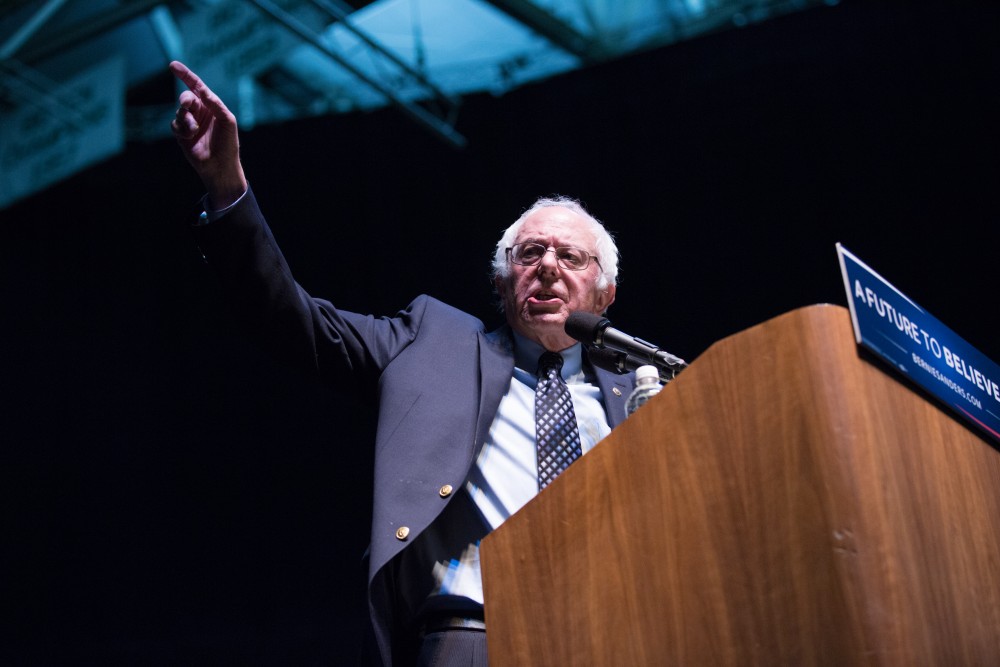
x=548 y=263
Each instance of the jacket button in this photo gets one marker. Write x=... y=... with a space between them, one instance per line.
x=402 y=533
x=445 y=490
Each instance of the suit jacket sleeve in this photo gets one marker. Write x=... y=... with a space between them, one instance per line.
x=298 y=329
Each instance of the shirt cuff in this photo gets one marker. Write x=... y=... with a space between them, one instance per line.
x=208 y=216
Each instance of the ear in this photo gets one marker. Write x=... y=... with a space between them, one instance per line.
x=605 y=298
x=501 y=286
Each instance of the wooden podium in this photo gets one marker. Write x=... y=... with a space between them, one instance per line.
x=783 y=502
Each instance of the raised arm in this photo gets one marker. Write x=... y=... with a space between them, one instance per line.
x=297 y=328
x=206 y=131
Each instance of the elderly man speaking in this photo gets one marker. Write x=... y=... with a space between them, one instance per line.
x=471 y=424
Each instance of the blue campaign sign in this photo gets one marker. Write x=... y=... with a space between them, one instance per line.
x=920 y=347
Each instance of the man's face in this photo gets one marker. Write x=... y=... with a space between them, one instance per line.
x=538 y=299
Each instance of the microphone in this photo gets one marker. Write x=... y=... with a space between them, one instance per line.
x=621 y=363
x=596 y=331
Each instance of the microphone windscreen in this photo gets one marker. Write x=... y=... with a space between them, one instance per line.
x=585 y=327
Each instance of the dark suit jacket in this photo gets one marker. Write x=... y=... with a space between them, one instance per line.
x=437 y=374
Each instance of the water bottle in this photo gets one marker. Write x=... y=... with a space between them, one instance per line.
x=647 y=385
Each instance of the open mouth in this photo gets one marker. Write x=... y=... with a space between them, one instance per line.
x=544 y=296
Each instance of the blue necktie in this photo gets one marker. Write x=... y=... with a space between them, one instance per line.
x=556 y=433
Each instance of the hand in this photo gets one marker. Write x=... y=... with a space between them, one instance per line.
x=207 y=133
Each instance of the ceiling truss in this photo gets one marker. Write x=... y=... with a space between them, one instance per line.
x=311 y=57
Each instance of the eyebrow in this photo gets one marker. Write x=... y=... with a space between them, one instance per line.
x=546 y=242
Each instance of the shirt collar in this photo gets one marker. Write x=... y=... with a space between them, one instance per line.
x=527 y=352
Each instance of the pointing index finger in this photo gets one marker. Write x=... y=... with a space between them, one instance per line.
x=198 y=87
x=189 y=78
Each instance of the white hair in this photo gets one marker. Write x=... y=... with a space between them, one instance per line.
x=606 y=250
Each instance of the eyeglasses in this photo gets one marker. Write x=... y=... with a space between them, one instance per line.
x=529 y=254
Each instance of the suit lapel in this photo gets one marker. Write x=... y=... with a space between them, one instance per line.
x=496 y=367
x=615 y=390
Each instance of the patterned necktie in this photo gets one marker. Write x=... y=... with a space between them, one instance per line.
x=556 y=432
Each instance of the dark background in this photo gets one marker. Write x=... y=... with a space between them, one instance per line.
x=172 y=495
